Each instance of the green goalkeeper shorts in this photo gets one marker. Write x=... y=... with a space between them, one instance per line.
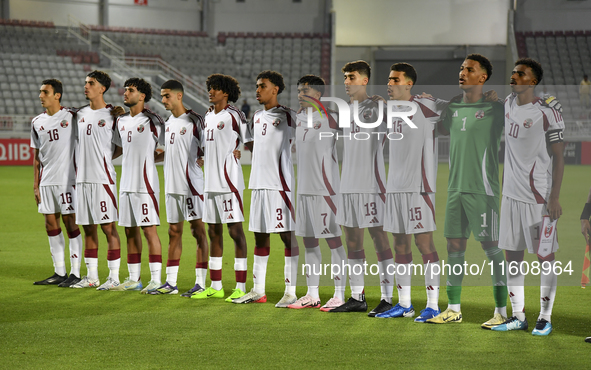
x=467 y=213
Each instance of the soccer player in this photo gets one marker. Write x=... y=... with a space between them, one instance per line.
x=95 y=181
x=318 y=186
x=410 y=193
x=362 y=196
x=138 y=133
x=183 y=179
x=271 y=180
x=225 y=128
x=53 y=137
x=532 y=176
x=474 y=126
x=586 y=229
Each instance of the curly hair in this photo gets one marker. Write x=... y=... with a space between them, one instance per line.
x=535 y=66
x=141 y=85
x=276 y=79
x=227 y=84
x=484 y=63
x=102 y=77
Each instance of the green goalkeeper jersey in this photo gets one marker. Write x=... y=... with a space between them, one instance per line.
x=475 y=135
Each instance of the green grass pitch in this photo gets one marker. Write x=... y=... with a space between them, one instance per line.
x=49 y=328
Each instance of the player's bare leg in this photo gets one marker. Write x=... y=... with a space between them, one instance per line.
x=91 y=251
x=216 y=237
x=499 y=280
x=240 y=257
x=292 y=254
x=356 y=254
x=155 y=257
x=425 y=244
x=75 y=244
x=113 y=250
x=385 y=259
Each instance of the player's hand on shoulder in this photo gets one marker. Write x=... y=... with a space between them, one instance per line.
x=552 y=102
x=117 y=111
x=425 y=95
x=554 y=209
x=491 y=96
x=376 y=98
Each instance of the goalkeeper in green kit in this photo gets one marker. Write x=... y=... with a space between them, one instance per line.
x=475 y=127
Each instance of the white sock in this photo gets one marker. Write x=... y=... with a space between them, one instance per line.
x=200 y=274
x=290 y=270
x=516 y=293
x=501 y=310
x=75 y=254
x=57 y=246
x=403 y=281
x=338 y=257
x=432 y=285
x=314 y=260
x=172 y=273
x=135 y=271
x=114 y=266
x=259 y=270
x=240 y=267
x=548 y=284
x=455 y=307
x=215 y=270
x=91 y=267
x=386 y=279
x=156 y=272
x=357 y=278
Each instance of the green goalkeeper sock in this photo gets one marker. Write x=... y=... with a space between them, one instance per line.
x=499 y=280
x=454 y=280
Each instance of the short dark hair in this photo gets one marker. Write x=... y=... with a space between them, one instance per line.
x=173 y=85
x=535 y=66
x=276 y=79
x=360 y=66
x=141 y=85
x=484 y=63
x=227 y=84
x=409 y=71
x=317 y=83
x=102 y=77
x=56 y=85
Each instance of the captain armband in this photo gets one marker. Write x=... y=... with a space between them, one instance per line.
x=554 y=136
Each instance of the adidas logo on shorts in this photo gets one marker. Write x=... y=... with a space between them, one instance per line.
x=419 y=226
x=230 y=217
x=193 y=214
x=279 y=226
x=70 y=208
x=325 y=231
x=146 y=219
x=105 y=217
x=374 y=220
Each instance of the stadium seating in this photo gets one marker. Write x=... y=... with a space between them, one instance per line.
x=32 y=51
x=566 y=57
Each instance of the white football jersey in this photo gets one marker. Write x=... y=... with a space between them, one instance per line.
x=363 y=159
x=223 y=134
x=413 y=159
x=138 y=136
x=182 y=139
x=318 y=164
x=273 y=131
x=94 y=152
x=55 y=137
x=527 y=175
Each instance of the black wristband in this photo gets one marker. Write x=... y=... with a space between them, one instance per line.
x=586 y=212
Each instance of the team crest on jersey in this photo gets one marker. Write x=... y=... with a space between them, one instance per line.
x=220 y=125
x=183 y=130
x=140 y=128
x=64 y=123
x=367 y=114
x=527 y=123
x=479 y=114
x=548 y=231
x=102 y=123
x=276 y=122
x=317 y=125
